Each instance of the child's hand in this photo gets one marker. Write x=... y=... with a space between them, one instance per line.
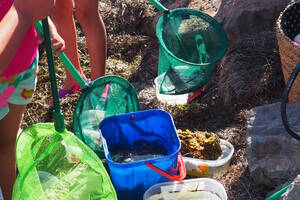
x=34 y=10
x=57 y=42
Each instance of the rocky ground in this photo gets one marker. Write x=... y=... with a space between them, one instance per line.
x=133 y=54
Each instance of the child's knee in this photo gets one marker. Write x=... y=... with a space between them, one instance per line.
x=86 y=10
x=63 y=9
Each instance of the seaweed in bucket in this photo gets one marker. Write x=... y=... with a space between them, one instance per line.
x=203 y=145
x=140 y=150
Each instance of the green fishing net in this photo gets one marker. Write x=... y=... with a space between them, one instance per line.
x=106 y=96
x=191 y=42
x=58 y=166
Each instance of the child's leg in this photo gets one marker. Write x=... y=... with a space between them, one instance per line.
x=13 y=103
x=9 y=127
x=93 y=26
x=65 y=25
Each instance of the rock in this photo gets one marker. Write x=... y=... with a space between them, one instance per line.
x=293 y=193
x=273 y=155
x=251 y=70
x=244 y=17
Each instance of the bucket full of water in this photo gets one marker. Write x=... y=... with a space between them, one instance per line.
x=141 y=149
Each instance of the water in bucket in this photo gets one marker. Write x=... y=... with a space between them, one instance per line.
x=142 y=150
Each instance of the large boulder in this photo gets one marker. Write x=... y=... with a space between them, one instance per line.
x=273 y=155
x=251 y=70
x=243 y=17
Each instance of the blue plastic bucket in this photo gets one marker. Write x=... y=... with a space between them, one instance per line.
x=132 y=179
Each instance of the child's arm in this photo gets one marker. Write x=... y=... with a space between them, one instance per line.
x=12 y=27
x=15 y=24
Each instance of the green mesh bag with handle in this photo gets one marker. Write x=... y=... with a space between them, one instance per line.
x=57 y=165
x=106 y=96
x=53 y=163
x=190 y=43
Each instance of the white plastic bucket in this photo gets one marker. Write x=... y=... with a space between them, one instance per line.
x=180 y=99
x=210 y=168
x=191 y=189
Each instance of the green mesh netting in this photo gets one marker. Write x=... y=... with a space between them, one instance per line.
x=58 y=166
x=107 y=96
x=191 y=42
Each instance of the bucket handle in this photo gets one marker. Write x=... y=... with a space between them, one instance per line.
x=181 y=168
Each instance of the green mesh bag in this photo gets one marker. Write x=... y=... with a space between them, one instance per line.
x=55 y=165
x=106 y=96
x=191 y=42
x=101 y=98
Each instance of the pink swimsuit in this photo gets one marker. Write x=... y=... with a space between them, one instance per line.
x=26 y=52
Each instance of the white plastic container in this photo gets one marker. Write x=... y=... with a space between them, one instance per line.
x=191 y=189
x=210 y=168
x=180 y=99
